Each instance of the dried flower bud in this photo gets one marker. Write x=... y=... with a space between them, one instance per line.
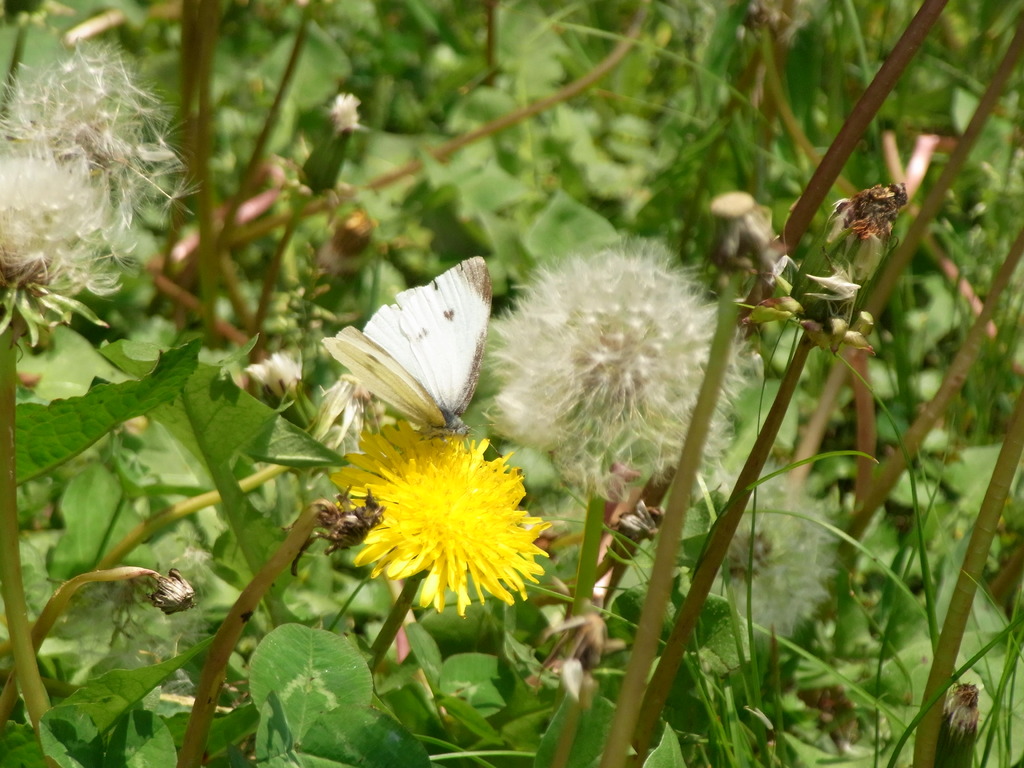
x=344 y=524
x=639 y=523
x=280 y=374
x=173 y=593
x=337 y=257
x=745 y=237
x=959 y=728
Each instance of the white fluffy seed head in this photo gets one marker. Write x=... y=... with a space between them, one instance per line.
x=55 y=226
x=601 y=362
x=88 y=108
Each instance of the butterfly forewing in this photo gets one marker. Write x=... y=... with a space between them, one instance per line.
x=436 y=335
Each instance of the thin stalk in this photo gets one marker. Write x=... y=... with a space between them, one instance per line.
x=659 y=588
x=17 y=53
x=207 y=20
x=956 y=376
x=857 y=123
x=971 y=575
x=214 y=670
x=715 y=551
x=180 y=510
x=937 y=195
x=395 y=619
x=586 y=565
x=12 y=587
x=260 y=146
x=269 y=281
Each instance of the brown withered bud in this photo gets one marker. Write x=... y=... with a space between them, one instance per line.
x=339 y=255
x=639 y=523
x=343 y=524
x=173 y=593
x=871 y=212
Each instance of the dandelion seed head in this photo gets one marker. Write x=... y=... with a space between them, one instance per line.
x=54 y=226
x=89 y=108
x=788 y=559
x=601 y=362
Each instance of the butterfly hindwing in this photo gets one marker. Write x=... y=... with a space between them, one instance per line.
x=384 y=376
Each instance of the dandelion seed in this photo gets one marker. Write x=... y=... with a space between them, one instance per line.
x=601 y=362
x=448 y=511
x=788 y=560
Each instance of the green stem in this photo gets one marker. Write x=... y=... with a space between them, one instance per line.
x=394 y=621
x=224 y=642
x=55 y=606
x=586 y=566
x=182 y=509
x=12 y=588
x=714 y=553
x=971 y=574
x=659 y=589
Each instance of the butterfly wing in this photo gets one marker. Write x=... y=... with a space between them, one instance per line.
x=384 y=376
x=437 y=333
x=422 y=354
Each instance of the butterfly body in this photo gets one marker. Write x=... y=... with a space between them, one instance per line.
x=422 y=354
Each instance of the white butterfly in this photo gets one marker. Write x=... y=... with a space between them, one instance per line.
x=422 y=354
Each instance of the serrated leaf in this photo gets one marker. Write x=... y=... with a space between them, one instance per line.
x=312 y=671
x=49 y=435
x=281 y=442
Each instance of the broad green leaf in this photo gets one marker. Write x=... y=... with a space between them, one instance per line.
x=88 y=507
x=106 y=698
x=69 y=366
x=312 y=671
x=19 y=746
x=361 y=737
x=281 y=442
x=478 y=679
x=49 y=435
x=427 y=654
x=70 y=738
x=591 y=731
x=140 y=740
x=275 y=739
x=718 y=637
x=469 y=718
x=667 y=754
x=565 y=226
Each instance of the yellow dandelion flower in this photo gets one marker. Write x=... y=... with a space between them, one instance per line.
x=448 y=511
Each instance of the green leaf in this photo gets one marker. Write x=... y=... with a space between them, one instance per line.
x=478 y=679
x=101 y=701
x=281 y=442
x=361 y=737
x=718 y=636
x=565 y=226
x=667 y=754
x=70 y=738
x=312 y=671
x=274 y=737
x=19 y=747
x=426 y=652
x=89 y=507
x=49 y=435
x=140 y=740
x=591 y=730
